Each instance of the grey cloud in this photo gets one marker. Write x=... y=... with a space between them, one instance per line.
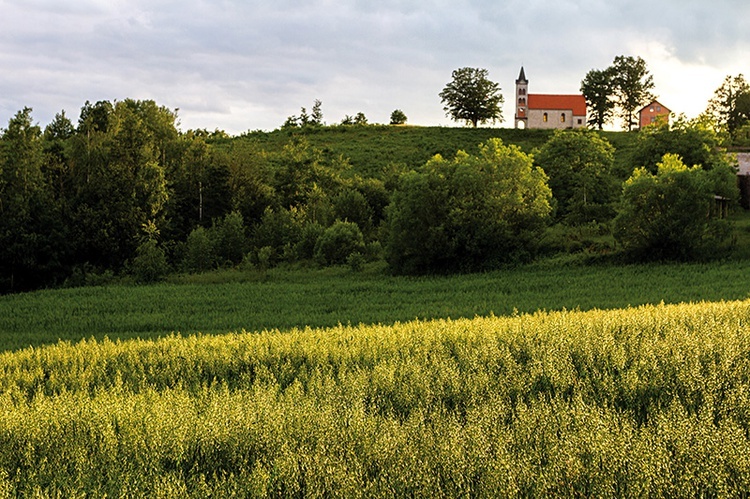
x=249 y=64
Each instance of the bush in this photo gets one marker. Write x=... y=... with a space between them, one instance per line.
x=231 y=242
x=668 y=215
x=356 y=261
x=351 y=205
x=278 y=229
x=150 y=263
x=467 y=214
x=338 y=242
x=199 y=251
x=579 y=165
x=305 y=248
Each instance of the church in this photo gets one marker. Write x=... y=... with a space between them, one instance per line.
x=547 y=110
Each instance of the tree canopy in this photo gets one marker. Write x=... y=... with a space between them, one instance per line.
x=469 y=213
x=579 y=164
x=622 y=88
x=633 y=85
x=691 y=140
x=597 y=88
x=472 y=97
x=668 y=214
x=730 y=105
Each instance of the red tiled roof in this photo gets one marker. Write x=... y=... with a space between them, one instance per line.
x=577 y=103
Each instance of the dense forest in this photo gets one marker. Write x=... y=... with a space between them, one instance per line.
x=125 y=192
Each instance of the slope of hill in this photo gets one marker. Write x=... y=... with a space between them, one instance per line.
x=372 y=148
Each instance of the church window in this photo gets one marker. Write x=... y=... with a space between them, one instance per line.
x=522 y=101
x=544 y=118
x=562 y=118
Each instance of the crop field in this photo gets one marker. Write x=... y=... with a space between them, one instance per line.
x=642 y=401
x=234 y=300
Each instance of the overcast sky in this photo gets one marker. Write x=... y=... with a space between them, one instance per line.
x=241 y=65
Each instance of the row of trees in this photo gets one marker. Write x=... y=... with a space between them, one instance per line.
x=125 y=190
x=617 y=91
x=315 y=118
x=624 y=87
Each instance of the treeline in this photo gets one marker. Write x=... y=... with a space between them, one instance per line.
x=123 y=190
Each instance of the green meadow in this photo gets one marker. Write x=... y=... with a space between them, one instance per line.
x=236 y=300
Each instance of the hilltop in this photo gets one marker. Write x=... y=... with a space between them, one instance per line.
x=371 y=149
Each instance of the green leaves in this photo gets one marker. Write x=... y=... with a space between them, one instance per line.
x=579 y=165
x=472 y=97
x=473 y=212
x=624 y=87
x=730 y=105
x=669 y=215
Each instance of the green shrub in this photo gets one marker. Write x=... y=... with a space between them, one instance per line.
x=338 y=242
x=277 y=229
x=668 y=215
x=471 y=213
x=351 y=205
x=150 y=263
x=356 y=261
x=230 y=238
x=199 y=251
x=579 y=165
x=305 y=248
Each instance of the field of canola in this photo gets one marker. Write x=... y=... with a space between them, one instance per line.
x=646 y=401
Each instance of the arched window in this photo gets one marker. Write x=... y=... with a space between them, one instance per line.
x=521 y=101
x=562 y=118
x=545 y=117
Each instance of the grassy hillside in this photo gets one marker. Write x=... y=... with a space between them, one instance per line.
x=234 y=300
x=372 y=148
x=644 y=402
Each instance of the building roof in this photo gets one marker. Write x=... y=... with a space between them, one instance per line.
x=652 y=103
x=576 y=103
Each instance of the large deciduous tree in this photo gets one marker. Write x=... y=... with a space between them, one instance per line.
x=579 y=165
x=730 y=105
x=597 y=88
x=632 y=87
x=622 y=88
x=119 y=178
x=472 y=97
x=32 y=241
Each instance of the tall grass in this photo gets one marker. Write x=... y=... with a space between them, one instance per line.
x=646 y=401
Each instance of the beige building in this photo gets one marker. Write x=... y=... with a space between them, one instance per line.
x=547 y=110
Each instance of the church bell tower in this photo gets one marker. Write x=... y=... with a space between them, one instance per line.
x=522 y=86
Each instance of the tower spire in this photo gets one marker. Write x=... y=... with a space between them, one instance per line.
x=522 y=77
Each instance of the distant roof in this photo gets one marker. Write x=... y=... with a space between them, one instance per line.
x=652 y=103
x=577 y=103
